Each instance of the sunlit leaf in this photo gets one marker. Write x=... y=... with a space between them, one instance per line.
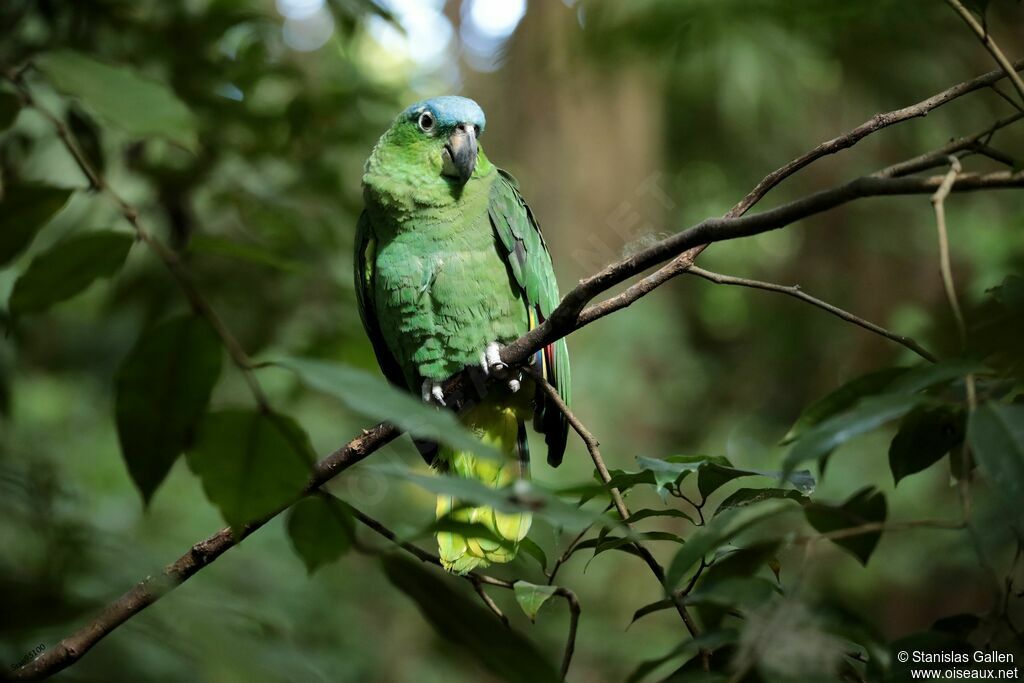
x=721 y=529
x=320 y=530
x=24 y=210
x=372 y=397
x=471 y=629
x=532 y=597
x=995 y=433
x=120 y=96
x=866 y=506
x=251 y=463
x=68 y=268
x=924 y=436
x=162 y=389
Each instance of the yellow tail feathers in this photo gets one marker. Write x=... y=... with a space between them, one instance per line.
x=499 y=427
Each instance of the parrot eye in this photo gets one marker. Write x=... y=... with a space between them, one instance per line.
x=426 y=122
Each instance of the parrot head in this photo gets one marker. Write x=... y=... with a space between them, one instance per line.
x=432 y=141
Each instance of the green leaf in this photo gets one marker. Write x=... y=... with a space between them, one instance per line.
x=744 y=497
x=924 y=436
x=251 y=463
x=119 y=95
x=161 y=392
x=9 y=108
x=532 y=597
x=709 y=640
x=841 y=399
x=867 y=415
x=471 y=629
x=733 y=592
x=528 y=546
x=720 y=530
x=371 y=397
x=68 y=268
x=995 y=433
x=651 y=608
x=713 y=472
x=935 y=375
x=644 y=513
x=320 y=529
x=863 y=507
x=24 y=210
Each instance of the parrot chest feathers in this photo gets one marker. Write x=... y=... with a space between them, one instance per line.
x=443 y=292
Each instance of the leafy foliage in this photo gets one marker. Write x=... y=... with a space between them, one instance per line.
x=68 y=268
x=473 y=630
x=162 y=391
x=121 y=97
x=321 y=530
x=250 y=463
x=26 y=209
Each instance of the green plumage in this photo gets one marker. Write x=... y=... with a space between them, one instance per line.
x=444 y=267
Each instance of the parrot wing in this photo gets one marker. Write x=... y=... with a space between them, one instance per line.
x=527 y=257
x=366 y=258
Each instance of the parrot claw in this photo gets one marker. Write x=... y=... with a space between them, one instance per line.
x=431 y=391
x=513 y=385
x=490 y=359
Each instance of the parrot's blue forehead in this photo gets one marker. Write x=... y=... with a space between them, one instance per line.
x=449 y=111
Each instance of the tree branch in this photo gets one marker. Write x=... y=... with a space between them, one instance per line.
x=797 y=293
x=872 y=125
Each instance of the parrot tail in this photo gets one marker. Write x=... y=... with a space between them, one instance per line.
x=501 y=427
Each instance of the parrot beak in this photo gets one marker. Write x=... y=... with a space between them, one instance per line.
x=459 y=154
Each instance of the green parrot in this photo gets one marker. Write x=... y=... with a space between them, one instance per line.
x=450 y=264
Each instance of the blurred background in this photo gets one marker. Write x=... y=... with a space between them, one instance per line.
x=623 y=121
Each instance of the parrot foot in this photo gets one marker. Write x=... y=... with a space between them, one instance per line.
x=490 y=359
x=491 y=364
x=431 y=391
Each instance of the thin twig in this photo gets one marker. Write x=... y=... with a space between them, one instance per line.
x=940 y=156
x=593 y=447
x=797 y=293
x=986 y=39
x=872 y=125
x=1013 y=103
x=564 y=557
